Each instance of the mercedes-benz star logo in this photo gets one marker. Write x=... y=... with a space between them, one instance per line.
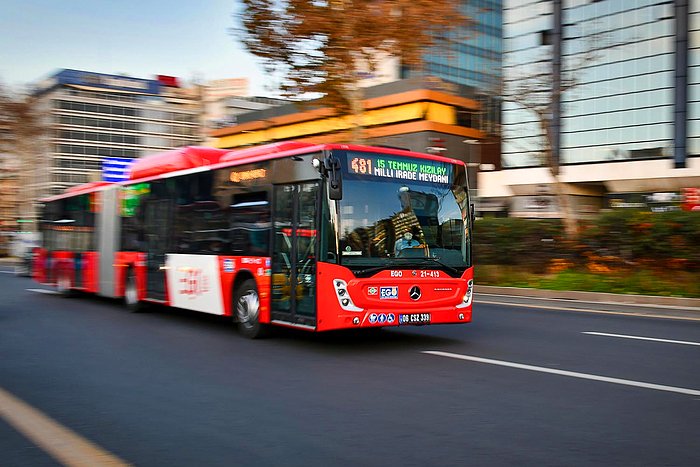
x=414 y=292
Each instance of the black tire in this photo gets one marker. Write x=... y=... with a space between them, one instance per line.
x=63 y=284
x=22 y=270
x=246 y=309
x=131 y=293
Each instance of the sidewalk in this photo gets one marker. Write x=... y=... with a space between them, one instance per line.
x=639 y=305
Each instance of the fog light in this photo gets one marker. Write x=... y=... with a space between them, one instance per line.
x=344 y=298
x=467 y=299
x=356 y=320
x=461 y=316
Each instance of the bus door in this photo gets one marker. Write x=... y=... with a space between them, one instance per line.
x=157 y=234
x=294 y=253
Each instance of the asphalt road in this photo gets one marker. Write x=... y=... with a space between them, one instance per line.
x=181 y=389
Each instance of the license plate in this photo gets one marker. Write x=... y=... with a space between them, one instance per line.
x=414 y=318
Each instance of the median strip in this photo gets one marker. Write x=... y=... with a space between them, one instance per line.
x=64 y=445
x=572 y=374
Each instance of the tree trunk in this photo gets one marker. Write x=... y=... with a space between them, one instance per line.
x=355 y=98
x=568 y=218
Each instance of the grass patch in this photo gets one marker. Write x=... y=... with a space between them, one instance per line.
x=638 y=282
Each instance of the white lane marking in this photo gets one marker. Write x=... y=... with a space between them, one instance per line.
x=654 y=339
x=572 y=374
x=50 y=292
x=61 y=443
x=7 y=272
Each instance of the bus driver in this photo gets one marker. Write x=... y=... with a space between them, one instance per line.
x=408 y=240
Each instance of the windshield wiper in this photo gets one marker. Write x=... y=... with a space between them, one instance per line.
x=451 y=269
x=372 y=270
x=404 y=262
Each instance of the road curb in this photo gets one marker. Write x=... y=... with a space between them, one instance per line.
x=691 y=304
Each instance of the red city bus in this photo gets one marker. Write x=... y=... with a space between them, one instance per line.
x=317 y=237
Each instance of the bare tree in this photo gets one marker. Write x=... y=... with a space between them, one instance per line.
x=316 y=47
x=532 y=87
x=21 y=131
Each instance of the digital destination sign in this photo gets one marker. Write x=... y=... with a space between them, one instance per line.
x=389 y=167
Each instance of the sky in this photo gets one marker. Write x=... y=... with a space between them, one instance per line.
x=183 y=38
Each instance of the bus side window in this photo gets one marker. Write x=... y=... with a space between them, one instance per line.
x=250 y=224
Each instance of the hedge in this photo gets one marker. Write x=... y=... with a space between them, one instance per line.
x=613 y=241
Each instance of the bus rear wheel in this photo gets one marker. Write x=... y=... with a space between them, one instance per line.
x=247 y=309
x=63 y=284
x=131 y=293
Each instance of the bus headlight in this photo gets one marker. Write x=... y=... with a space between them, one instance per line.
x=467 y=300
x=341 y=292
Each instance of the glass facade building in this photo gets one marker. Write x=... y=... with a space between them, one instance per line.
x=625 y=60
x=473 y=57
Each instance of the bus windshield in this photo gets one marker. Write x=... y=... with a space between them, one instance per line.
x=403 y=212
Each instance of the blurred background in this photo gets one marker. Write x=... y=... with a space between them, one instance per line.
x=579 y=120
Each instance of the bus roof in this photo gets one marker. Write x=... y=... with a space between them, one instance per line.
x=187 y=157
x=86 y=187
x=191 y=157
x=290 y=148
x=274 y=148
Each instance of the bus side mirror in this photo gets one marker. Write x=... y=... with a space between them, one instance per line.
x=331 y=170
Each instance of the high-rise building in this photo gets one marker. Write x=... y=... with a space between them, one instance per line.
x=473 y=54
x=629 y=119
x=471 y=57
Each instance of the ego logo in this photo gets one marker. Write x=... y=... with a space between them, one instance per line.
x=193 y=283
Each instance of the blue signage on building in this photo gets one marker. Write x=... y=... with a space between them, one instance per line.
x=116 y=169
x=100 y=80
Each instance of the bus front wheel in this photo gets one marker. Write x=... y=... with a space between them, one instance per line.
x=247 y=309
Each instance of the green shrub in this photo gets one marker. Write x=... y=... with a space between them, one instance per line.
x=519 y=242
x=668 y=240
x=614 y=241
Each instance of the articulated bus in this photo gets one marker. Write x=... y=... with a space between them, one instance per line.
x=316 y=237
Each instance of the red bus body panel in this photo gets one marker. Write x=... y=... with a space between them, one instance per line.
x=440 y=297
x=90 y=267
x=123 y=260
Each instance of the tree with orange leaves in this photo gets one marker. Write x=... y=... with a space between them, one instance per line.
x=318 y=47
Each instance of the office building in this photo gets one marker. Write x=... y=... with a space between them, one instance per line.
x=472 y=55
x=629 y=123
x=94 y=116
